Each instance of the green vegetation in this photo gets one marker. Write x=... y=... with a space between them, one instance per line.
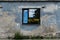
x=17 y=36
x=20 y=36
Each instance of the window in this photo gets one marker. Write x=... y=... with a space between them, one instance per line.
x=31 y=16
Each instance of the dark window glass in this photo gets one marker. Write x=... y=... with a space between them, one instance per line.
x=31 y=16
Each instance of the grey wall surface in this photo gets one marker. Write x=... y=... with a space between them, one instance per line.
x=16 y=9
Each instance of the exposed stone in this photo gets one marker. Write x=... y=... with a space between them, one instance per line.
x=6 y=24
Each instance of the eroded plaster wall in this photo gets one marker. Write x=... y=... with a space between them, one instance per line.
x=49 y=17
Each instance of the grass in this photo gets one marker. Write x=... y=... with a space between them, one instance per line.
x=20 y=36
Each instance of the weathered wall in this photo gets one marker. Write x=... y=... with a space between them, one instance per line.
x=12 y=20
